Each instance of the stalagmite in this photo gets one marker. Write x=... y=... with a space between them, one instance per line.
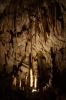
x=35 y=82
x=31 y=78
x=20 y=83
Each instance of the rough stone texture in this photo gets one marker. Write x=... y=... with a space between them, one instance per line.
x=27 y=29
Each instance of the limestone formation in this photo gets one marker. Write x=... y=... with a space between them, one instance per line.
x=32 y=27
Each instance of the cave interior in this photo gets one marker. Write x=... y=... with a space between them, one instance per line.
x=32 y=49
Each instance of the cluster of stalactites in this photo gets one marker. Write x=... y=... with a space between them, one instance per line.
x=49 y=15
x=51 y=18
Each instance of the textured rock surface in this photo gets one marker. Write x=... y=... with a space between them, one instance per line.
x=32 y=27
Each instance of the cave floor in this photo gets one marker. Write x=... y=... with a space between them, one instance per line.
x=27 y=94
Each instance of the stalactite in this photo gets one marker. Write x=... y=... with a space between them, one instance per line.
x=15 y=21
x=31 y=43
x=15 y=12
x=55 y=15
x=44 y=22
x=36 y=24
x=52 y=15
x=47 y=28
x=59 y=18
x=8 y=16
x=29 y=39
x=36 y=28
x=35 y=31
x=49 y=17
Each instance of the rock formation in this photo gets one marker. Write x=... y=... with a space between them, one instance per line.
x=34 y=28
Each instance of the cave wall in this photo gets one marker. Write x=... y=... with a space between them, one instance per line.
x=32 y=27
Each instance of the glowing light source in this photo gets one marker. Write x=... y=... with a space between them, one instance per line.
x=31 y=78
x=34 y=90
x=35 y=83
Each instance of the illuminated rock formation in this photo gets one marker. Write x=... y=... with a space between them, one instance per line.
x=32 y=27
